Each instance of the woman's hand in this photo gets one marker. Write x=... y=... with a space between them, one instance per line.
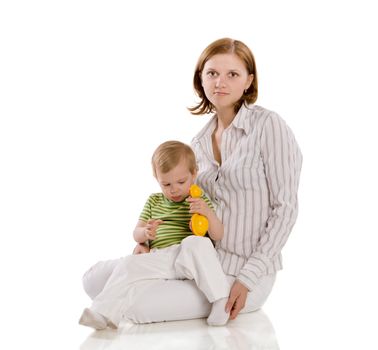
x=236 y=300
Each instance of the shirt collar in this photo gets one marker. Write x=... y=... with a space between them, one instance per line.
x=208 y=129
x=241 y=120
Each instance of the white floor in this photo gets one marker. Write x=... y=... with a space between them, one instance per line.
x=311 y=308
x=250 y=331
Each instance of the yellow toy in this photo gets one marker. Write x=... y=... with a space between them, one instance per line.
x=198 y=223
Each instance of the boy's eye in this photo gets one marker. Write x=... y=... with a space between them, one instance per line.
x=181 y=182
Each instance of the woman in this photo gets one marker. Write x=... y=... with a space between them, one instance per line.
x=249 y=165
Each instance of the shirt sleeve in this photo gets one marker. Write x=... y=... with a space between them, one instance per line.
x=146 y=214
x=282 y=163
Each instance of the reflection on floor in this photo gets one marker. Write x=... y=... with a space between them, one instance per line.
x=249 y=331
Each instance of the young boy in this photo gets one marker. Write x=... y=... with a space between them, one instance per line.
x=165 y=217
x=175 y=252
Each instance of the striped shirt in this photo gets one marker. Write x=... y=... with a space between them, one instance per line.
x=176 y=219
x=254 y=189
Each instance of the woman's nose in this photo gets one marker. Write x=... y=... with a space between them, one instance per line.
x=219 y=82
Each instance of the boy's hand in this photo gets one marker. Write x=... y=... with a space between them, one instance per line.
x=141 y=249
x=150 y=229
x=198 y=206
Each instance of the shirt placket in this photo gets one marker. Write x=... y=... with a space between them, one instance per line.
x=219 y=170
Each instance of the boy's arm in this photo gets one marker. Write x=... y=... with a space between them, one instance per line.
x=145 y=231
x=199 y=205
x=140 y=232
x=216 y=229
x=140 y=237
x=141 y=248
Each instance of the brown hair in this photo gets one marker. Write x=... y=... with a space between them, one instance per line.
x=169 y=154
x=224 y=46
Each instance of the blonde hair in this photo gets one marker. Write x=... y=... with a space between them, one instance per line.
x=224 y=46
x=169 y=154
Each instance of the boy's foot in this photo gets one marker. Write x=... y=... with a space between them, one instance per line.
x=93 y=319
x=218 y=316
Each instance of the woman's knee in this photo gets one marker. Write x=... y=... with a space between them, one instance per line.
x=88 y=283
x=96 y=277
x=257 y=297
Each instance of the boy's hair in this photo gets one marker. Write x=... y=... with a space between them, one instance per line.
x=169 y=154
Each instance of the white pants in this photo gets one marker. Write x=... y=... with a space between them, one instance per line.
x=194 y=259
x=175 y=283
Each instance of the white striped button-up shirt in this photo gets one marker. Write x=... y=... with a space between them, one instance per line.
x=254 y=189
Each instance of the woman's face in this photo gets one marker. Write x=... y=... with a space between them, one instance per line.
x=224 y=79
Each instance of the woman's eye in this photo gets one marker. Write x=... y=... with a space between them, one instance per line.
x=211 y=74
x=233 y=74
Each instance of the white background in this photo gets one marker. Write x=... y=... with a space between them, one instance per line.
x=88 y=89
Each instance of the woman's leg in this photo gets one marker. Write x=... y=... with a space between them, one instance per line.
x=168 y=300
x=119 y=292
x=257 y=297
x=173 y=300
x=96 y=277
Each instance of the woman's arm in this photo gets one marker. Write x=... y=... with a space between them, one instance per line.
x=282 y=163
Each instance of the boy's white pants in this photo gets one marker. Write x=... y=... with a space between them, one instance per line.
x=175 y=283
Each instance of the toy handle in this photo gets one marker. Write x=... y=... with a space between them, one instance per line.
x=198 y=223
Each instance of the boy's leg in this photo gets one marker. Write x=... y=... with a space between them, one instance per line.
x=198 y=260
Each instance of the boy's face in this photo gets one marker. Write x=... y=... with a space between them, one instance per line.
x=175 y=183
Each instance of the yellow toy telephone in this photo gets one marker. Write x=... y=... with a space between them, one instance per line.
x=198 y=223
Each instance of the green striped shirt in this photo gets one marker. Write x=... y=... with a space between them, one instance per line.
x=176 y=219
